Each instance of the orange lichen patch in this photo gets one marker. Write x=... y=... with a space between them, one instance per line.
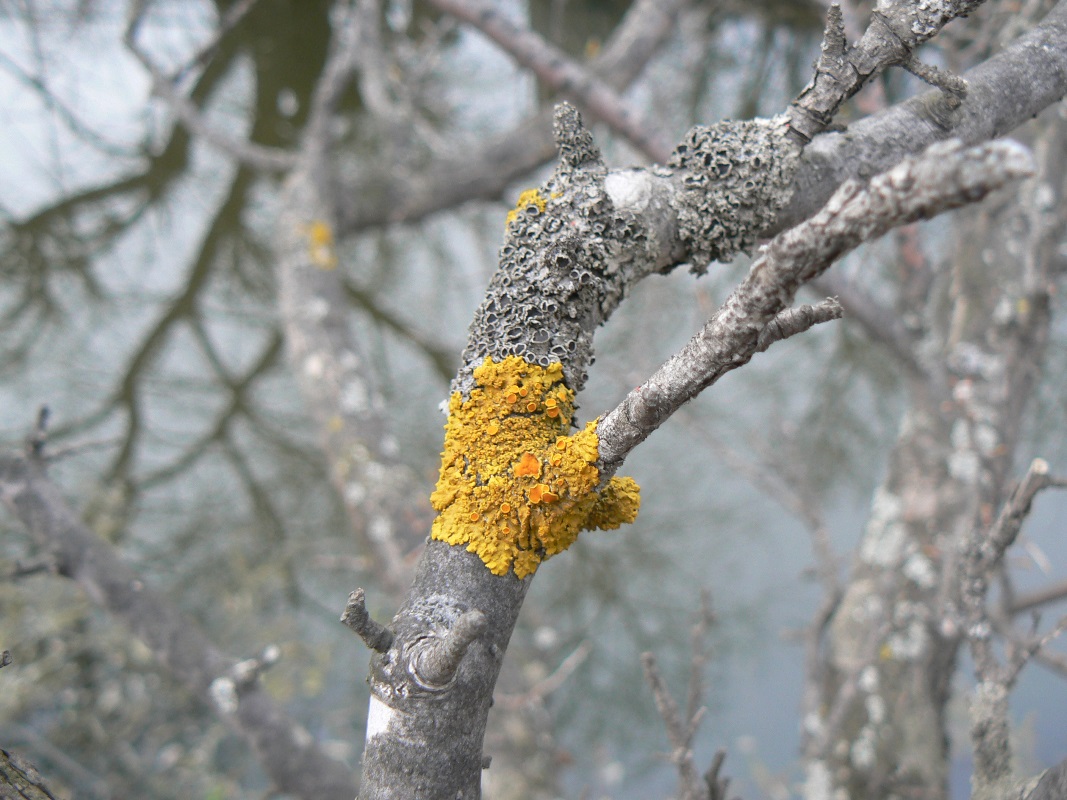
x=320 y=244
x=523 y=392
x=493 y=428
x=528 y=465
x=553 y=412
x=531 y=407
x=531 y=198
x=524 y=494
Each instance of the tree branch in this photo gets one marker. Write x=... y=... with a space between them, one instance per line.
x=287 y=752
x=946 y=177
x=557 y=70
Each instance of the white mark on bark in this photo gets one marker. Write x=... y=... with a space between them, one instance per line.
x=379 y=715
x=909 y=644
x=963 y=465
x=629 y=190
x=863 y=748
x=313 y=366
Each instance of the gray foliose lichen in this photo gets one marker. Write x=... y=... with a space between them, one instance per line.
x=564 y=266
x=733 y=177
x=570 y=254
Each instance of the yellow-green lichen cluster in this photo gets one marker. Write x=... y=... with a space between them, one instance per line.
x=531 y=198
x=514 y=487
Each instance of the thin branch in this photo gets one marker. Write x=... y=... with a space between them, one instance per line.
x=287 y=752
x=485 y=169
x=891 y=37
x=682 y=729
x=256 y=156
x=982 y=555
x=679 y=732
x=547 y=685
x=356 y=617
x=1041 y=597
x=947 y=176
x=227 y=22
x=794 y=321
x=442 y=358
x=882 y=325
x=557 y=70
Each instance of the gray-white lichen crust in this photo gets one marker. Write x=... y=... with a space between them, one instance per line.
x=734 y=179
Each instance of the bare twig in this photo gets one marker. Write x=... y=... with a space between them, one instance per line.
x=679 y=732
x=982 y=555
x=227 y=22
x=547 y=685
x=682 y=728
x=557 y=70
x=375 y=635
x=1041 y=597
x=793 y=321
x=254 y=155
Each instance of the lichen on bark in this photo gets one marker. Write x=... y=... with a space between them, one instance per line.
x=514 y=488
x=735 y=178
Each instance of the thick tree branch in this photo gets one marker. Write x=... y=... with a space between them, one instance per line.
x=485 y=169
x=946 y=177
x=1003 y=93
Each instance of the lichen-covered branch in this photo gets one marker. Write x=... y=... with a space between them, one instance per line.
x=895 y=30
x=947 y=177
x=483 y=170
x=20 y=780
x=1002 y=93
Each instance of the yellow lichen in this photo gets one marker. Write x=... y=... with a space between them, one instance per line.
x=531 y=198
x=320 y=244
x=526 y=492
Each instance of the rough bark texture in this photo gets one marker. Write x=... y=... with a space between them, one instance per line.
x=572 y=249
x=1002 y=94
x=19 y=780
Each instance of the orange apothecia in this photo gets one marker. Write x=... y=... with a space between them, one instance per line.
x=525 y=492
